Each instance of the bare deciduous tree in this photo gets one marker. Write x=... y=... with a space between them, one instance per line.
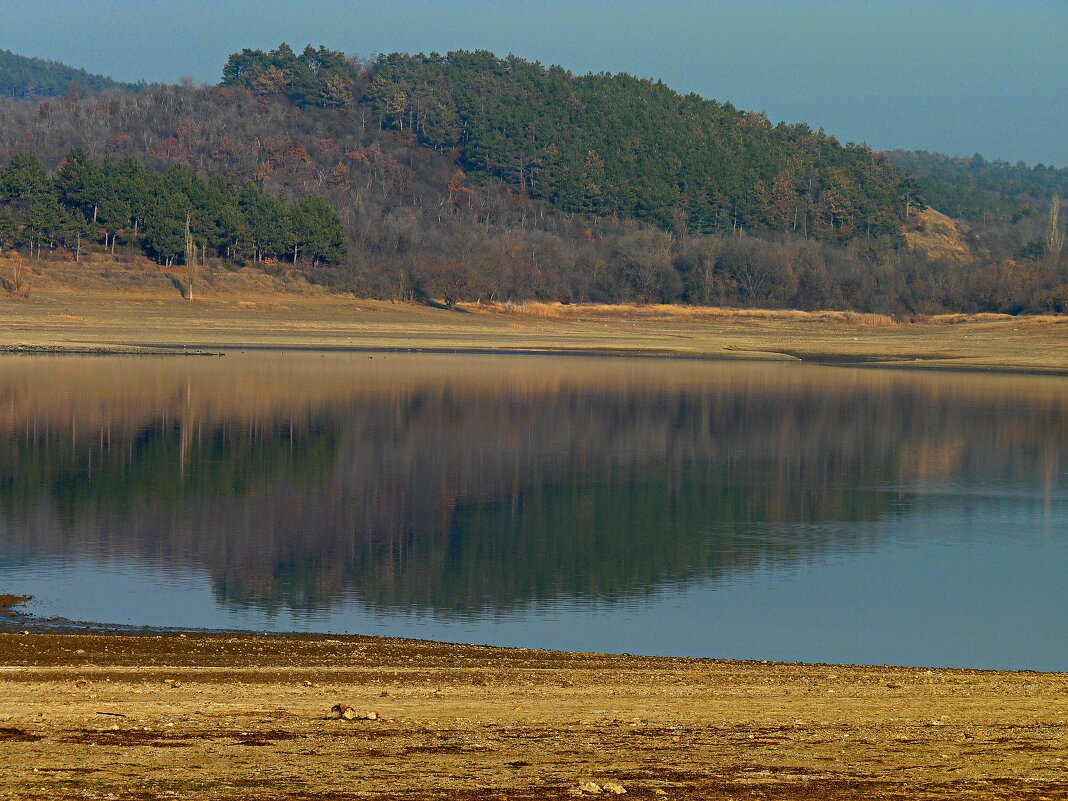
x=1055 y=230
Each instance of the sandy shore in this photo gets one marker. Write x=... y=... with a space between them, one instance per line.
x=62 y=319
x=233 y=717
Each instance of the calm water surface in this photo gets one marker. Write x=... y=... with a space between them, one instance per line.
x=770 y=511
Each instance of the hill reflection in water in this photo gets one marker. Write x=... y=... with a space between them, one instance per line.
x=460 y=485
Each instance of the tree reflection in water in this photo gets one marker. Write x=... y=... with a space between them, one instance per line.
x=461 y=484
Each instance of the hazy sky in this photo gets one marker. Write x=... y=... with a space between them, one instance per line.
x=958 y=77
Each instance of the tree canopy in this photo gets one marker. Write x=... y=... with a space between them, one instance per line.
x=315 y=77
x=977 y=190
x=122 y=199
x=616 y=145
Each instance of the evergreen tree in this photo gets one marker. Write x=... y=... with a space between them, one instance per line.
x=316 y=231
x=24 y=177
x=43 y=221
x=316 y=77
x=9 y=230
x=268 y=222
x=165 y=226
x=80 y=183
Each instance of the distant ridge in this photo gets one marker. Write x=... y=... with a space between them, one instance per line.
x=26 y=76
x=978 y=190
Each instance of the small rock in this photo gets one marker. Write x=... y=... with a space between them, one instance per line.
x=612 y=787
x=80 y=651
x=173 y=683
x=81 y=683
x=342 y=712
x=306 y=683
x=658 y=791
x=590 y=787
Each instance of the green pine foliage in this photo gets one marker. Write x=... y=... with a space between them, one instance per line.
x=979 y=191
x=316 y=77
x=616 y=145
x=122 y=200
x=23 y=76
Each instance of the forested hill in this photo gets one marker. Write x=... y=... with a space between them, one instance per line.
x=606 y=145
x=474 y=177
x=615 y=144
x=23 y=76
x=980 y=191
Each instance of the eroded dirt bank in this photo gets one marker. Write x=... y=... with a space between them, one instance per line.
x=235 y=717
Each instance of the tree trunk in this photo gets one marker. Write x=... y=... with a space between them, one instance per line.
x=190 y=259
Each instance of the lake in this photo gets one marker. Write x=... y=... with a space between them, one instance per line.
x=772 y=511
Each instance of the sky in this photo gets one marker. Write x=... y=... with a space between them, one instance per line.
x=955 y=77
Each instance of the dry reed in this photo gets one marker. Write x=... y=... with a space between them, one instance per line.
x=575 y=311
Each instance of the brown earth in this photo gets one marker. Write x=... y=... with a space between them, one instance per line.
x=941 y=237
x=233 y=717
x=92 y=319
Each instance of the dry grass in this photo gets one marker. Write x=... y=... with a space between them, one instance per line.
x=941 y=237
x=986 y=317
x=73 y=319
x=571 y=311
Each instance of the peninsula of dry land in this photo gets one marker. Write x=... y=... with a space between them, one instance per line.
x=74 y=319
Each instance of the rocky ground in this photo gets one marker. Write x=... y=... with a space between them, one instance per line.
x=214 y=716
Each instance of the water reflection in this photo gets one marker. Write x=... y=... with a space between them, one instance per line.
x=461 y=485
